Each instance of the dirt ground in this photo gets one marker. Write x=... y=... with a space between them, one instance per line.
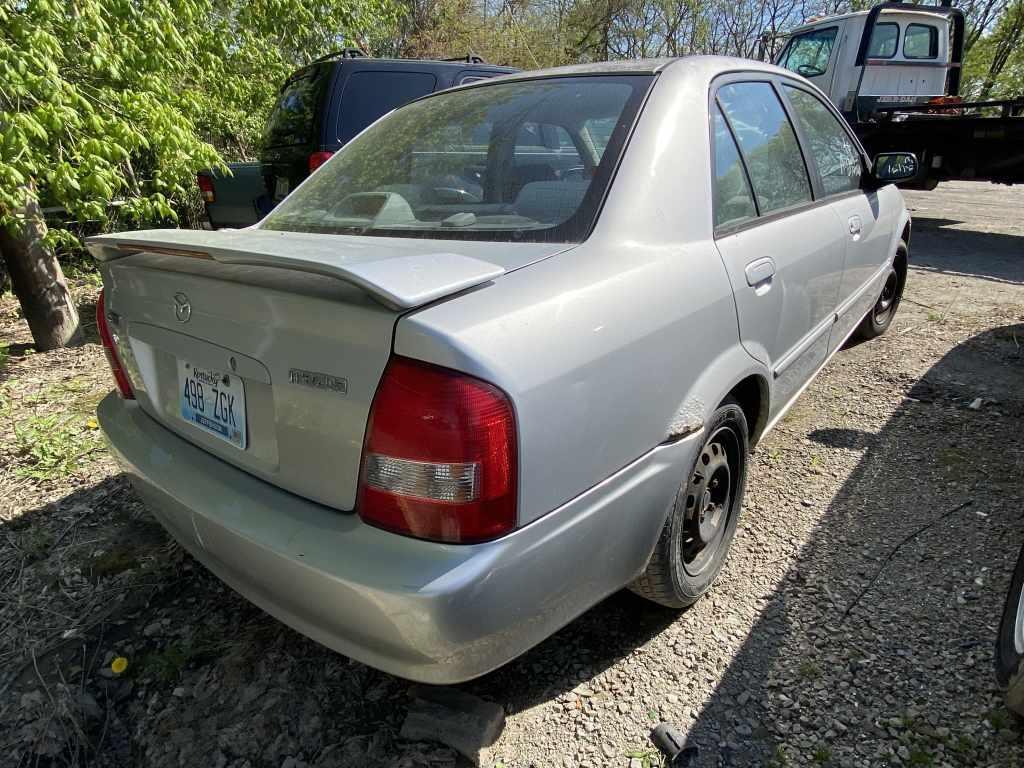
x=853 y=624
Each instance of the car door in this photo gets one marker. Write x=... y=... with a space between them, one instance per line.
x=782 y=250
x=866 y=218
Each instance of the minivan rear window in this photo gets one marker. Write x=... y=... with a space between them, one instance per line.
x=512 y=161
x=370 y=94
x=291 y=121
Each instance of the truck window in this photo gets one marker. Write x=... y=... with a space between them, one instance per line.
x=808 y=54
x=885 y=41
x=733 y=201
x=835 y=154
x=370 y=94
x=768 y=145
x=291 y=121
x=921 y=41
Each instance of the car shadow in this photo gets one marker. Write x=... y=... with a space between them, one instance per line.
x=941 y=245
x=874 y=648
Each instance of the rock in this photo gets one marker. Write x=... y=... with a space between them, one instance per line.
x=743 y=698
x=179 y=692
x=459 y=720
x=151 y=629
x=608 y=750
x=31 y=699
x=976 y=404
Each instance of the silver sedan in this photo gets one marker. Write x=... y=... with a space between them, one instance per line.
x=504 y=354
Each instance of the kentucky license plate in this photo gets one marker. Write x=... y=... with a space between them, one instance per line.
x=214 y=401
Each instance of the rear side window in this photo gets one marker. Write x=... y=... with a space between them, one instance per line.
x=808 y=54
x=733 y=201
x=836 y=156
x=885 y=41
x=291 y=121
x=370 y=94
x=921 y=41
x=768 y=145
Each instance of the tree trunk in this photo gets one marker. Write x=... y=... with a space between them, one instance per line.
x=38 y=281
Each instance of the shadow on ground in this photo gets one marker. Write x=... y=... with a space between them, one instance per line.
x=941 y=245
x=904 y=636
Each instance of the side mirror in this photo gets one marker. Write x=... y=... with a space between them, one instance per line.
x=894 y=166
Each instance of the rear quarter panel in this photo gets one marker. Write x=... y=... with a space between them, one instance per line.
x=621 y=343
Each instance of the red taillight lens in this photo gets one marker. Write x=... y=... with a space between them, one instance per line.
x=317 y=159
x=120 y=377
x=440 y=456
x=206 y=187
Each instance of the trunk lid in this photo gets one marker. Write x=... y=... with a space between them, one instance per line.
x=296 y=329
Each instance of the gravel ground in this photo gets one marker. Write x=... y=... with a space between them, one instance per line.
x=853 y=624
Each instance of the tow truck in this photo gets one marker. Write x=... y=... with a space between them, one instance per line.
x=894 y=72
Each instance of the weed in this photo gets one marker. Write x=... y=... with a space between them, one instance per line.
x=5 y=353
x=936 y=317
x=808 y=670
x=920 y=757
x=822 y=754
x=779 y=758
x=999 y=719
x=115 y=561
x=61 y=431
x=648 y=758
x=168 y=663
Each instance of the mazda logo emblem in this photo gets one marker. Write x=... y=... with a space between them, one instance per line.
x=182 y=307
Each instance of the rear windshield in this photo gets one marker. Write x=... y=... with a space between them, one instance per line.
x=291 y=121
x=525 y=160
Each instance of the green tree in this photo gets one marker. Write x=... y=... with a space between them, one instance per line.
x=109 y=107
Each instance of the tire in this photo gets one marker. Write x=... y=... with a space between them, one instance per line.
x=689 y=555
x=877 y=321
x=1010 y=640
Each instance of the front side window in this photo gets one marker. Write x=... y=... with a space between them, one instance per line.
x=921 y=41
x=885 y=41
x=733 y=202
x=768 y=144
x=500 y=161
x=835 y=154
x=808 y=54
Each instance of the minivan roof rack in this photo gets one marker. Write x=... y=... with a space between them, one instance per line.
x=469 y=58
x=344 y=53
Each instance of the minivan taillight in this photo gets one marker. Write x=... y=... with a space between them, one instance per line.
x=206 y=188
x=317 y=159
x=440 y=456
x=124 y=386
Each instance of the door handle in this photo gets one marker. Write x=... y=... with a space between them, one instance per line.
x=760 y=271
x=856 y=225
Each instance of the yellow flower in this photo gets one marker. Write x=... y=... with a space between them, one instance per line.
x=119 y=665
x=92 y=424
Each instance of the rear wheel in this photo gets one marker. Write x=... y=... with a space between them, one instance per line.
x=1010 y=641
x=702 y=521
x=878 y=320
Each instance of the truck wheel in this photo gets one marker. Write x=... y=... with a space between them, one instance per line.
x=877 y=321
x=1010 y=641
x=702 y=521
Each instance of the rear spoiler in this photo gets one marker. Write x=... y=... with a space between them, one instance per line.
x=397 y=281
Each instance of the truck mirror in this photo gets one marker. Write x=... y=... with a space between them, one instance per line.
x=894 y=166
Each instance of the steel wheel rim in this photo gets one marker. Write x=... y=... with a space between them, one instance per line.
x=888 y=298
x=709 y=501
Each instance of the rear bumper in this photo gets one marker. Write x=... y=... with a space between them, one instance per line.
x=429 y=612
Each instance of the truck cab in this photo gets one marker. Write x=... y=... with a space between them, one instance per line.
x=896 y=54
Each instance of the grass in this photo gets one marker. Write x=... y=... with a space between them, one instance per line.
x=779 y=758
x=59 y=434
x=167 y=664
x=920 y=757
x=808 y=670
x=648 y=758
x=822 y=754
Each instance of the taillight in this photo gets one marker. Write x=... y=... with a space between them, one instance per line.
x=206 y=187
x=317 y=159
x=440 y=456
x=124 y=386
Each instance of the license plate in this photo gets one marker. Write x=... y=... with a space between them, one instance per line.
x=214 y=401
x=280 y=188
x=895 y=99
